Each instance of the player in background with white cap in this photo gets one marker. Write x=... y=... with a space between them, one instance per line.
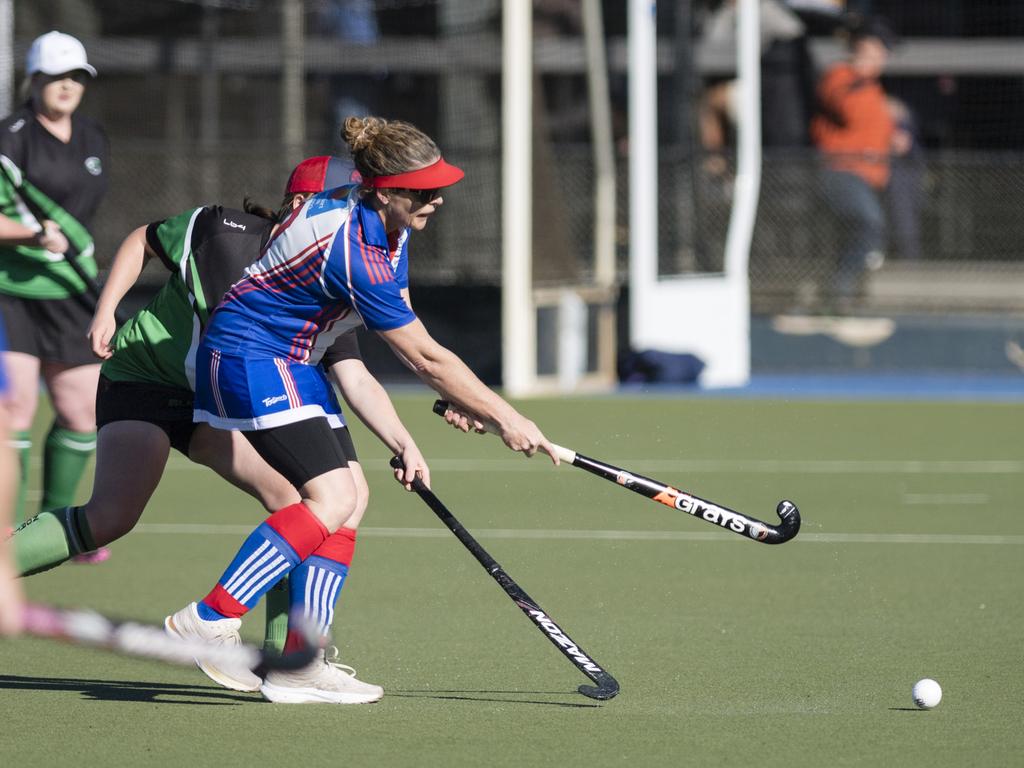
x=43 y=301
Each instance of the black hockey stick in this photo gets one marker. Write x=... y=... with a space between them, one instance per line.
x=71 y=255
x=131 y=638
x=705 y=510
x=607 y=686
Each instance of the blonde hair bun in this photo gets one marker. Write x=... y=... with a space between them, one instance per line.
x=361 y=132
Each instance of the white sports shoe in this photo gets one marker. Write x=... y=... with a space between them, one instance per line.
x=325 y=681
x=187 y=623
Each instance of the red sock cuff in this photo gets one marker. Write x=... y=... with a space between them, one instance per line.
x=297 y=525
x=339 y=546
x=225 y=604
x=293 y=641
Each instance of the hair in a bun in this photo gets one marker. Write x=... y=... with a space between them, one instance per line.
x=382 y=147
x=360 y=132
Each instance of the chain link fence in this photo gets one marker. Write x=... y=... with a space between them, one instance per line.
x=437 y=63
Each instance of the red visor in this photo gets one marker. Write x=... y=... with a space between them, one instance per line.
x=435 y=176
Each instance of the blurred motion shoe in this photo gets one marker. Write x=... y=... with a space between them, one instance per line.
x=325 y=681
x=187 y=623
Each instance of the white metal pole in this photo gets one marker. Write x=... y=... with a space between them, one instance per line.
x=518 y=323
x=604 y=151
x=748 y=139
x=643 y=154
x=293 y=81
x=6 y=57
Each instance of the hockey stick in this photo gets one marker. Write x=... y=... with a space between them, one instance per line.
x=726 y=518
x=71 y=255
x=91 y=629
x=607 y=686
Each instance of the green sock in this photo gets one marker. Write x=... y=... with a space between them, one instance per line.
x=65 y=455
x=48 y=539
x=21 y=442
x=276 y=604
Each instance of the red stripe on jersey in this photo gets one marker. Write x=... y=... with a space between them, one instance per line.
x=299 y=527
x=379 y=272
x=224 y=604
x=289 y=271
x=328 y=325
x=283 y=226
x=294 y=399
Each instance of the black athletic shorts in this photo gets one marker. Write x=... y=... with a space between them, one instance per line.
x=50 y=329
x=304 y=449
x=169 y=408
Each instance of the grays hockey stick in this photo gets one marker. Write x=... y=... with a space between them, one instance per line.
x=607 y=686
x=131 y=638
x=695 y=506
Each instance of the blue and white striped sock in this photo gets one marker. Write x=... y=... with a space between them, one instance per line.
x=314 y=588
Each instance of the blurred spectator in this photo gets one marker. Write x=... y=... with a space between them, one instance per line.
x=785 y=88
x=906 y=181
x=854 y=130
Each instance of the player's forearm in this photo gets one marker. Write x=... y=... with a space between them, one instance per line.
x=13 y=233
x=444 y=372
x=371 y=403
x=447 y=374
x=124 y=271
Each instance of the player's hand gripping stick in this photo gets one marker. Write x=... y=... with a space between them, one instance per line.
x=695 y=506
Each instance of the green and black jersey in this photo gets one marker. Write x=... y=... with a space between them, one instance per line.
x=206 y=250
x=67 y=180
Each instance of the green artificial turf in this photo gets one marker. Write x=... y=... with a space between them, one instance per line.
x=729 y=652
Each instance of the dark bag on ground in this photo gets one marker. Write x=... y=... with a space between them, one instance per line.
x=653 y=366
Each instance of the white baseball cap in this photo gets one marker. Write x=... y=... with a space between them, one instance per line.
x=56 y=53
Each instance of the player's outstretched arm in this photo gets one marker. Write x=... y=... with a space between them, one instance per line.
x=371 y=403
x=443 y=371
x=128 y=262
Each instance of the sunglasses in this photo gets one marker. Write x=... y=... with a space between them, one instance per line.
x=422 y=196
x=78 y=75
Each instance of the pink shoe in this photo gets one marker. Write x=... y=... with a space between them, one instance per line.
x=92 y=558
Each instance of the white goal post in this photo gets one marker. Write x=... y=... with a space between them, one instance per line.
x=704 y=314
x=707 y=315
x=584 y=327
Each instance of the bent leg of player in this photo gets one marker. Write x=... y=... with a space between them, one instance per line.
x=298 y=444
x=72 y=438
x=271 y=551
x=231 y=456
x=118 y=499
x=314 y=588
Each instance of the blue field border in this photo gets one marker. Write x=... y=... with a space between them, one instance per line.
x=995 y=388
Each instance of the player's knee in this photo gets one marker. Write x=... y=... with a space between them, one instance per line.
x=333 y=512
x=108 y=523
x=362 y=501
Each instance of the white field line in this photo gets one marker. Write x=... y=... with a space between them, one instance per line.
x=206 y=529
x=936 y=499
x=748 y=466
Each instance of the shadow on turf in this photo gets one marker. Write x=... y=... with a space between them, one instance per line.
x=122 y=690
x=482 y=696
